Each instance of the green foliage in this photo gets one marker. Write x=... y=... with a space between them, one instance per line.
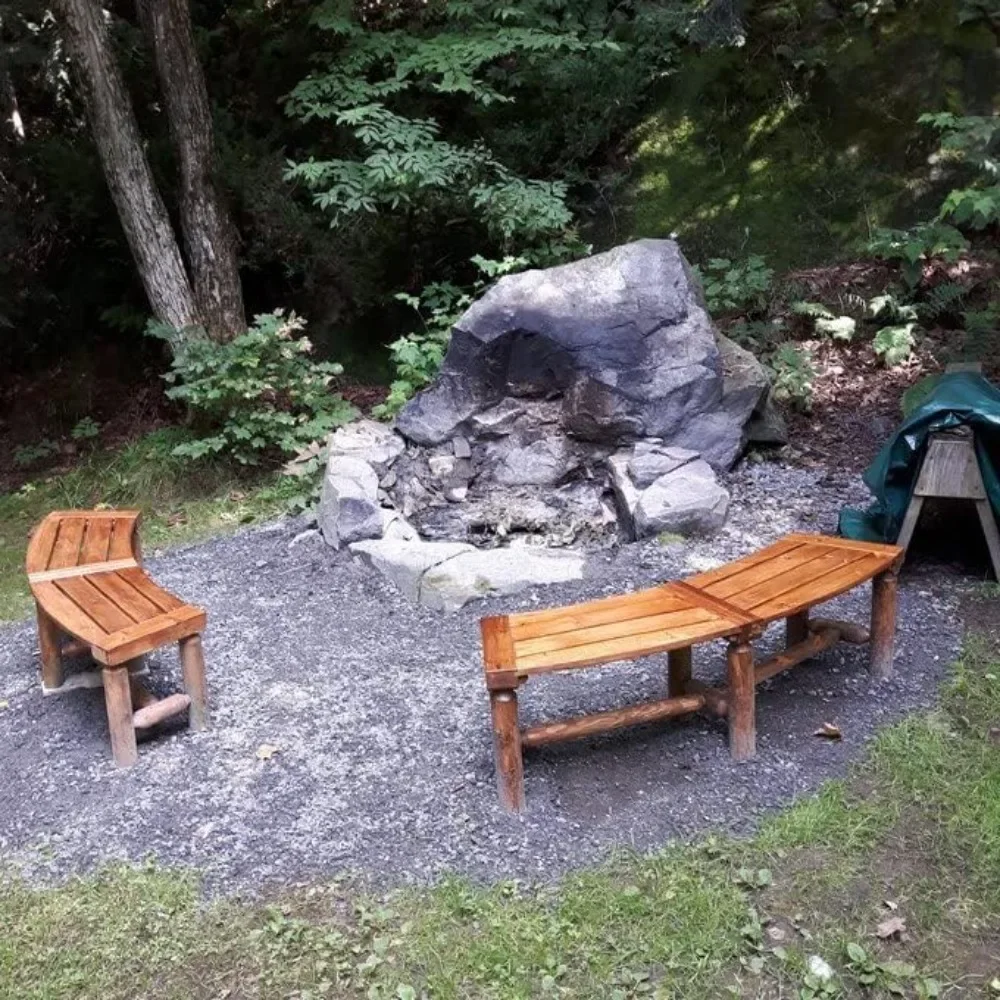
x=970 y=142
x=894 y=344
x=916 y=247
x=26 y=455
x=257 y=396
x=837 y=327
x=85 y=429
x=794 y=375
x=736 y=286
x=943 y=301
x=887 y=308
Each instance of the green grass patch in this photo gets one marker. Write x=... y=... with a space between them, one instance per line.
x=913 y=833
x=181 y=501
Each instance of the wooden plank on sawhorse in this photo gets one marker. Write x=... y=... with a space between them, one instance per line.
x=950 y=471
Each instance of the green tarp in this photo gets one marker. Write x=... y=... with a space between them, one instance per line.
x=958 y=398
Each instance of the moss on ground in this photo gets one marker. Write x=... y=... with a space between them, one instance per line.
x=913 y=834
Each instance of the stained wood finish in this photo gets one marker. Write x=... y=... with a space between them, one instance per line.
x=85 y=573
x=735 y=602
x=606 y=722
x=741 y=687
x=884 y=589
x=118 y=699
x=507 y=750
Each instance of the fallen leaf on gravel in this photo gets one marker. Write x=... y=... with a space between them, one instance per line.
x=994 y=735
x=266 y=751
x=4 y=704
x=890 y=928
x=829 y=731
x=890 y=904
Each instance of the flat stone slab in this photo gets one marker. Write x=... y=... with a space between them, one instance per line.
x=445 y=576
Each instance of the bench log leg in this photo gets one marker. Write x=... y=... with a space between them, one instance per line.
x=118 y=699
x=678 y=671
x=193 y=669
x=797 y=628
x=883 y=630
x=742 y=721
x=507 y=750
x=48 y=647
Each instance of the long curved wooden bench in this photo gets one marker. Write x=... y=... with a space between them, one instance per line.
x=86 y=576
x=734 y=602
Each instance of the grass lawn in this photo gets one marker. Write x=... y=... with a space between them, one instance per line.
x=912 y=836
x=181 y=502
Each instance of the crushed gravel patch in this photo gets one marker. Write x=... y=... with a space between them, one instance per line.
x=377 y=707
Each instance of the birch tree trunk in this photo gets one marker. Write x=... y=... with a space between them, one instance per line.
x=209 y=236
x=141 y=210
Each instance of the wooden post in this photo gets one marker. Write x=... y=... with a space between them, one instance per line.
x=797 y=628
x=118 y=699
x=742 y=721
x=193 y=670
x=884 y=587
x=678 y=671
x=507 y=750
x=48 y=647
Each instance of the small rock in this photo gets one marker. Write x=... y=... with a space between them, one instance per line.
x=349 y=509
x=374 y=443
x=460 y=446
x=539 y=463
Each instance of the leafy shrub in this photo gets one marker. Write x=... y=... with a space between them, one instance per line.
x=736 y=286
x=417 y=357
x=943 y=301
x=794 y=375
x=28 y=454
x=86 y=429
x=894 y=344
x=886 y=308
x=256 y=397
x=917 y=246
x=825 y=322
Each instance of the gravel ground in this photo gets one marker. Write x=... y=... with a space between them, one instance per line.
x=378 y=710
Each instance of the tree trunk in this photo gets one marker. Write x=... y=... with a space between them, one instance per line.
x=141 y=210
x=209 y=235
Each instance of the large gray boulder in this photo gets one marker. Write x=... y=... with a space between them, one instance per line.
x=621 y=338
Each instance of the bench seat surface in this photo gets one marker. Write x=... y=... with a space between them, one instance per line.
x=85 y=574
x=793 y=574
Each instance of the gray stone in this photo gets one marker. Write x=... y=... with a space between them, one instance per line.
x=720 y=435
x=497 y=421
x=447 y=575
x=375 y=443
x=647 y=464
x=450 y=585
x=538 y=463
x=395 y=526
x=441 y=466
x=687 y=500
x=348 y=509
x=405 y=562
x=460 y=446
x=623 y=337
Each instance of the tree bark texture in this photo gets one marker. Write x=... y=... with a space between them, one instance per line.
x=141 y=210
x=209 y=235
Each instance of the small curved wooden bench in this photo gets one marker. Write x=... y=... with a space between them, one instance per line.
x=734 y=602
x=86 y=576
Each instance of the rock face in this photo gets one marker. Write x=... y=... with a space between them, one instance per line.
x=683 y=499
x=621 y=341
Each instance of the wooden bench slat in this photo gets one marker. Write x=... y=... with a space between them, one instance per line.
x=91 y=602
x=625 y=648
x=154 y=593
x=68 y=614
x=810 y=573
x=128 y=643
x=634 y=628
x=96 y=540
x=890 y=552
x=40 y=547
x=734 y=583
x=116 y=588
x=832 y=585
x=729 y=569
x=66 y=551
x=624 y=607
x=122 y=542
